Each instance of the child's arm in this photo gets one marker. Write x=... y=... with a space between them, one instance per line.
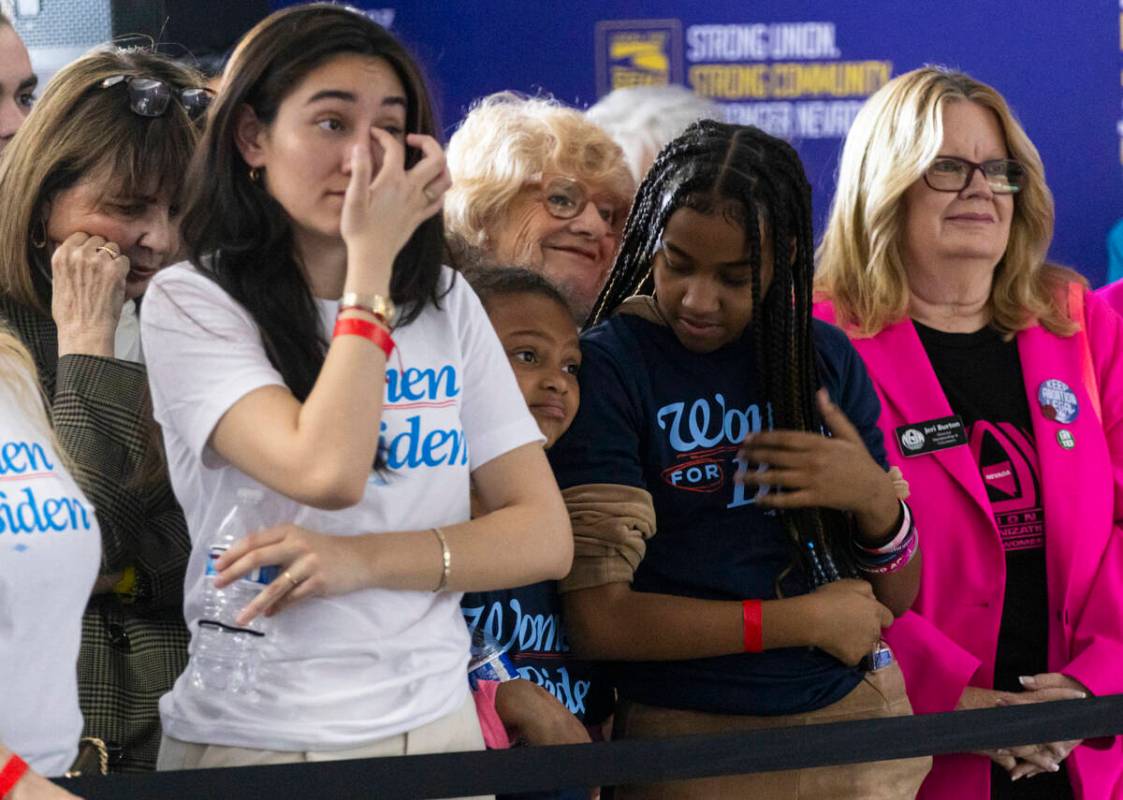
x=613 y=622
x=833 y=472
x=535 y=716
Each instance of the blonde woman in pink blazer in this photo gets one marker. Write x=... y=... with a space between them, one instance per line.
x=1001 y=403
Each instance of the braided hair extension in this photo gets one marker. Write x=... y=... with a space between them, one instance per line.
x=757 y=182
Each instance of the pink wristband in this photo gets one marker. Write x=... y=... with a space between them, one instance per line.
x=897 y=541
x=898 y=563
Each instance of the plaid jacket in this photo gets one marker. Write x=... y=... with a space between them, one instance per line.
x=131 y=652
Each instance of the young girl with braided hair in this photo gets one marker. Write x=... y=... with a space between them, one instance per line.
x=781 y=552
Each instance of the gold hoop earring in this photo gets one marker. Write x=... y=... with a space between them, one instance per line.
x=39 y=235
x=255 y=175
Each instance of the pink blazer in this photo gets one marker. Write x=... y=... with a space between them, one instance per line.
x=949 y=638
x=1113 y=295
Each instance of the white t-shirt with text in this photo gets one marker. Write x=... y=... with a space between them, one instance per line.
x=339 y=671
x=50 y=552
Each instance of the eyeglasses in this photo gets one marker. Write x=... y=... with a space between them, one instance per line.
x=951 y=174
x=565 y=198
x=149 y=97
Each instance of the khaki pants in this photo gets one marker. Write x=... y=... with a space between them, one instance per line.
x=456 y=732
x=880 y=694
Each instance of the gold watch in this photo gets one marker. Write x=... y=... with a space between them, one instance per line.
x=380 y=306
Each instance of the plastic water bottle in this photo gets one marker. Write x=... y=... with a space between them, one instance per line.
x=488 y=661
x=226 y=654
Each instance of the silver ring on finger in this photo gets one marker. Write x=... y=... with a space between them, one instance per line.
x=288 y=576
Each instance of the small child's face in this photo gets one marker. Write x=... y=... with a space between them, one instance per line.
x=541 y=341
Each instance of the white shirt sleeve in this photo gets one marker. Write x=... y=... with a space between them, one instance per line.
x=203 y=351
x=494 y=413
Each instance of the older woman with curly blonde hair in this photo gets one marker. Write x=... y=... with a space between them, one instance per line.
x=1002 y=400
x=538 y=185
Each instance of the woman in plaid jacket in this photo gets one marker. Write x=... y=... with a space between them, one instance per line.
x=88 y=193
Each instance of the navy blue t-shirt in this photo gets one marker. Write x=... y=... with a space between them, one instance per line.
x=658 y=417
x=527 y=622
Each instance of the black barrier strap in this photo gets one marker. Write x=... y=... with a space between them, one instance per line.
x=629 y=761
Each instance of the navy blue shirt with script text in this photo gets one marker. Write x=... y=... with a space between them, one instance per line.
x=527 y=623
x=658 y=417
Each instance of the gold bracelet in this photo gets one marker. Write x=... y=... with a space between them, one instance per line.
x=446 y=560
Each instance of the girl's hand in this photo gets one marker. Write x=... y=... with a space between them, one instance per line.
x=311 y=565
x=87 y=293
x=536 y=716
x=381 y=214
x=846 y=619
x=831 y=472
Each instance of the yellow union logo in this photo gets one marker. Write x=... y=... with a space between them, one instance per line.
x=638 y=53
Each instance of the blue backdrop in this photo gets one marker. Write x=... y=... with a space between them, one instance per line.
x=801 y=67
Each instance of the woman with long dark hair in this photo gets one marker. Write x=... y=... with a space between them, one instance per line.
x=736 y=564
x=314 y=207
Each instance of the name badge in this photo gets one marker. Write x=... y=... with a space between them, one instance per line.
x=927 y=437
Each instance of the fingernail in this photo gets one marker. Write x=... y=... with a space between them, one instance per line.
x=1028 y=681
x=1002 y=701
x=1002 y=751
x=1054 y=767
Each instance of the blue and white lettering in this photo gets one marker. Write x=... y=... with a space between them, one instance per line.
x=21 y=458
x=413 y=385
x=570 y=693
x=33 y=514
x=700 y=432
x=532 y=634
x=418 y=445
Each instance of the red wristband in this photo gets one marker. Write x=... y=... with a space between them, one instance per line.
x=376 y=314
x=352 y=326
x=13 y=770
x=754 y=630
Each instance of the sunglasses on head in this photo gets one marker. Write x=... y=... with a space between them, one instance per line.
x=150 y=97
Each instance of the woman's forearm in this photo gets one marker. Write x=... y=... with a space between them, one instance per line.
x=343 y=412
x=319 y=452
x=513 y=546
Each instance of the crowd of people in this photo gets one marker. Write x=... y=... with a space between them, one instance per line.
x=872 y=475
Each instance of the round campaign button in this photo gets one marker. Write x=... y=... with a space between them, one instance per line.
x=1058 y=402
x=1065 y=439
